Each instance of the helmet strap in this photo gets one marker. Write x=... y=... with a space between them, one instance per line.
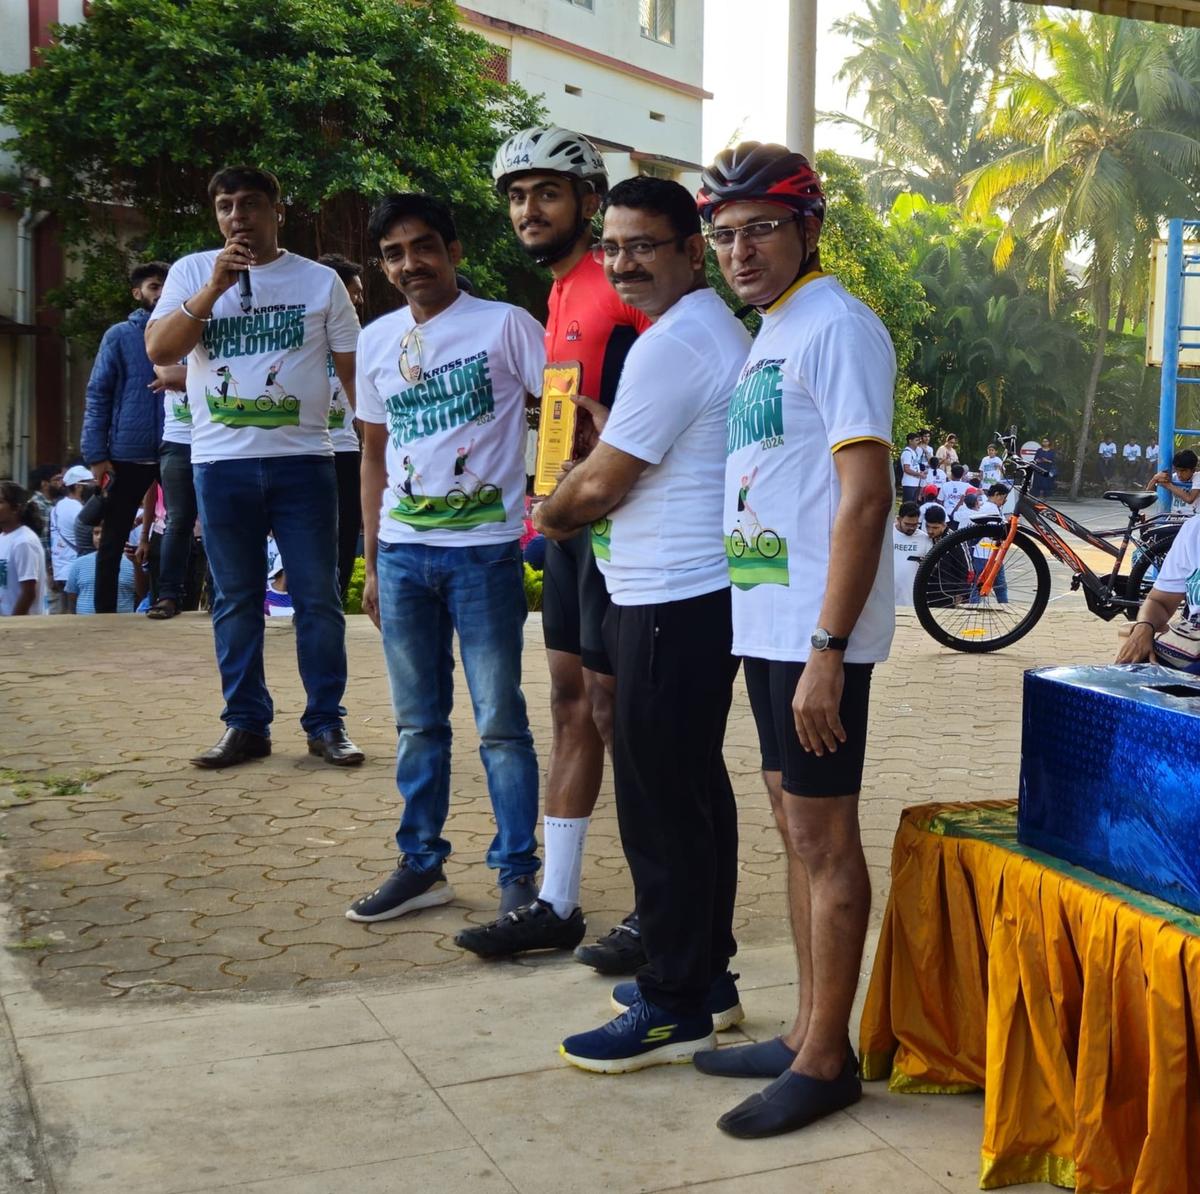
x=806 y=265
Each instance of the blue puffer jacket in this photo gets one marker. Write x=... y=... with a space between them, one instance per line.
x=122 y=417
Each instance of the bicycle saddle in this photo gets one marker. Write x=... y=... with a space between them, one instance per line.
x=1135 y=501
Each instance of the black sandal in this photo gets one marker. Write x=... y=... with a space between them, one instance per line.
x=163 y=608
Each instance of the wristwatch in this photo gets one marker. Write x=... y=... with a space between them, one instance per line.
x=822 y=640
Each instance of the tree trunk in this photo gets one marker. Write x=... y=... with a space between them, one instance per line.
x=1102 y=304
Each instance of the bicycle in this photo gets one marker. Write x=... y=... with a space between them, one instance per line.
x=986 y=586
x=764 y=541
x=485 y=494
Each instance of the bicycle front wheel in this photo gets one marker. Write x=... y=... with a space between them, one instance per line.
x=947 y=598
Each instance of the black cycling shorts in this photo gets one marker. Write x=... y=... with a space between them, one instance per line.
x=771 y=686
x=574 y=602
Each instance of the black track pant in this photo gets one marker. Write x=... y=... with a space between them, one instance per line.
x=674 y=802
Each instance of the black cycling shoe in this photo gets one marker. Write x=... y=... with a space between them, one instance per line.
x=621 y=952
x=531 y=926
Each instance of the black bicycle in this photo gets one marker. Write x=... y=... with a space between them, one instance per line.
x=986 y=586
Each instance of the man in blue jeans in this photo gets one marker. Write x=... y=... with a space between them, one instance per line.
x=261 y=454
x=445 y=374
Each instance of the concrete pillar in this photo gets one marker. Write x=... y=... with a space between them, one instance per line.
x=802 y=75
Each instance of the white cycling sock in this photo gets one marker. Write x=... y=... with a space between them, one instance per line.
x=564 y=862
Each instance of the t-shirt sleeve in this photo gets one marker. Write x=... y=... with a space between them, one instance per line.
x=525 y=341
x=341 y=322
x=370 y=402
x=180 y=285
x=72 y=585
x=25 y=561
x=850 y=368
x=1182 y=560
x=656 y=398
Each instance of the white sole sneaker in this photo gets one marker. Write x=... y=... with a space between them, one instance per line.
x=439 y=893
x=723 y=1021
x=675 y=1053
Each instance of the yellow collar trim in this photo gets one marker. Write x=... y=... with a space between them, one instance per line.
x=795 y=286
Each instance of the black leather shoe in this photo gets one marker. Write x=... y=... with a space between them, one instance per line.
x=236 y=746
x=335 y=747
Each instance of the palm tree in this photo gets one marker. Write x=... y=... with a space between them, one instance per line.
x=927 y=69
x=1103 y=145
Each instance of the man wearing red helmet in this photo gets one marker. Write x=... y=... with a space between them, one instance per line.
x=813 y=612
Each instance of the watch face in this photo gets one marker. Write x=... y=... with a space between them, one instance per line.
x=820 y=639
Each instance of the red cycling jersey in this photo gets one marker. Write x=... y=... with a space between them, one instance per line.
x=588 y=323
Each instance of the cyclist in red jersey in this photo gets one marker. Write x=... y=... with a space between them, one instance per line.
x=554 y=181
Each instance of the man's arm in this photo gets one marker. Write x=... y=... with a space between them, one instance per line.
x=866 y=503
x=1156 y=612
x=343 y=366
x=24 y=602
x=589 y=491
x=373 y=481
x=171 y=337
x=102 y=388
x=169 y=377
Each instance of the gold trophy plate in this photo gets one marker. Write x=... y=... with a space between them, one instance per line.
x=556 y=429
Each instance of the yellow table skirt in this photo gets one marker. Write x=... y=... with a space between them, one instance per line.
x=1074 y=1002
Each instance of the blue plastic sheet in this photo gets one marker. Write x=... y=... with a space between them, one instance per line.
x=1110 y=774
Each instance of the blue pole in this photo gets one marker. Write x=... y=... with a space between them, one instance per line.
x=1172 y=317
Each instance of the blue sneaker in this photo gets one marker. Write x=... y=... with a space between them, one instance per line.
x=722 y=1002
x=643 y=1035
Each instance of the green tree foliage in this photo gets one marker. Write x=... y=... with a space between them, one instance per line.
x=927 y=71
x=131 y=111
x=1099 y=145
x=855 y=247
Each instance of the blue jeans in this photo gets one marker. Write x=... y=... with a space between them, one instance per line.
x=179 y=497
x=999 y=582
x=296 y=498
x=425 y=595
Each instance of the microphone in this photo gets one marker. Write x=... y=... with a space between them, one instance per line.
x=247 y=299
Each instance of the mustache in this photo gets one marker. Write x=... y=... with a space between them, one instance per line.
x=636 y=277
x=421 y=276
x=534 y=222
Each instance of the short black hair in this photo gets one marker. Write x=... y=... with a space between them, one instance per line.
x=957 y=471
x=661 y=197
x=43 y=472
x=908 y=510
x=912 y=435
x=229 y=179
x=148 y=269
x=345 y=269
x=1185 y=459
x=393 y=208
x=997 y=487
x=935 y=514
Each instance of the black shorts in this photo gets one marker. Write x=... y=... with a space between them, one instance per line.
x=771 y=686
x=574 y=602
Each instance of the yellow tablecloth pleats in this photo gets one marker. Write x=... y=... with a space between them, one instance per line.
x=1072 y=1001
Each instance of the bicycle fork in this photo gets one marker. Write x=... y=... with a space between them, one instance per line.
x=987 y=578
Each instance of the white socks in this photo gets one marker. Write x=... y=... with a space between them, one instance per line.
x=564 y=862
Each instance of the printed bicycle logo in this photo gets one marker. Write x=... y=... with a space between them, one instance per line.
x=469 y=502
x=756 y=554
x=274 y=407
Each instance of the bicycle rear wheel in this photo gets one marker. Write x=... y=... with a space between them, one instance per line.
x=1148 y=557
x=948 y=603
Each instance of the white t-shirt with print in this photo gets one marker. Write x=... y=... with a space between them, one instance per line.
x=663 y=542
x=1131 y=452
x=987 y=509
x=927 y=506
x=456 y=433
x=177 y=417
x=341 y=418
x=62 y=536
x=964 y=516
x=1152 y=453
x=257 y=383
x=1179 y=507
x=1180 y=571
x=935 y=476
x=952 y=495
x=22 y=558
x=906 y=551
x=913 y=458
x=991 y=469
x=1108 y=449
x=820 y=375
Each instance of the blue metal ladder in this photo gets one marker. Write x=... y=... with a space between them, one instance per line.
x=1176 y=336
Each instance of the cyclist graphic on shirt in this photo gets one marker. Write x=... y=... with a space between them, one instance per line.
x=743 y=503
x=460 y=466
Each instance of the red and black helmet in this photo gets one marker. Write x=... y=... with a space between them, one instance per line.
x=765 y=172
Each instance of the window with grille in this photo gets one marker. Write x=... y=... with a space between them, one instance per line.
x=495 y=65
x=582 y=4
x=658 y=20
x=654 y=170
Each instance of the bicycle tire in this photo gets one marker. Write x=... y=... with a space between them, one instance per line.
x=1151 y=555
x=767 y=544
x=457 y=499
x=487 y=494
x=289 y=403
x=263 y=404
x=938 y=587
x=737 y=543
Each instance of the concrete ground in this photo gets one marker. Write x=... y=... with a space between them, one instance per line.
x=186 y=1009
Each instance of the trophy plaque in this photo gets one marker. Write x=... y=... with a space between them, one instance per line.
x=556 y=428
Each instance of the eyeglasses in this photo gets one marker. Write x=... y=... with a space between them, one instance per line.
x=760 y=230
x=639 y=250
x=410 y=354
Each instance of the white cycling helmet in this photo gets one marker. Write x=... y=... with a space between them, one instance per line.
x=554 y=150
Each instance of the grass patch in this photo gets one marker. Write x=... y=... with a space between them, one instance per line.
x=30 y=943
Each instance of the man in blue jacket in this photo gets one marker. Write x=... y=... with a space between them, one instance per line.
x=122 y=426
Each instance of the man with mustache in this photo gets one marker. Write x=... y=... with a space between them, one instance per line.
x=553 y=181
x=445 y=377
